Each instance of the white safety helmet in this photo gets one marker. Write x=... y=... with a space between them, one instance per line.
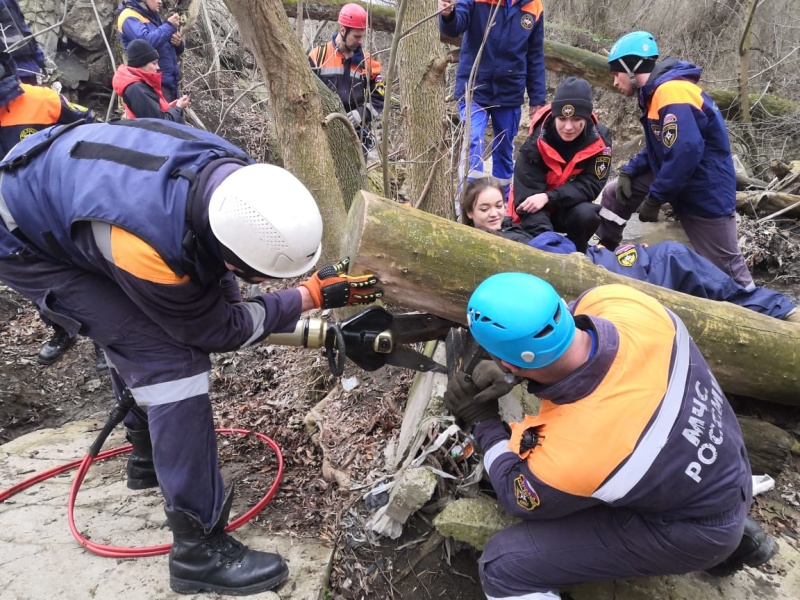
x=266 y=222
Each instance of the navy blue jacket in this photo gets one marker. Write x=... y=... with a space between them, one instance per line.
x=28 y=56
x=136 y=22
x=686 y=143
x=512 y=60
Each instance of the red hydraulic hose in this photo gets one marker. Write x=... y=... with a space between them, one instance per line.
x=122 y=552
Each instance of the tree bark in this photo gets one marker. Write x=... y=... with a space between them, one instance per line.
x=432 y=264
x=297 y=108
x=423 y=112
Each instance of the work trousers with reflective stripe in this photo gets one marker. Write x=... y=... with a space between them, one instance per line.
x=540 y=557
x=168 y=380
x=505 y=124
x=713 y=238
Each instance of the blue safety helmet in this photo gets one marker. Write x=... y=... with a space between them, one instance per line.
x=520 y=318
x=633 y=51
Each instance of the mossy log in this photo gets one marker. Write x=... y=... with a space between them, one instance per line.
x=431 y=264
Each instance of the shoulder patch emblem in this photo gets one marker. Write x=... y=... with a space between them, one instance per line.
x=656 y=129
x=526 y=21
x=670 y=118
x=26 y=132
x=627 y=255
x=669 y=135
x=602 y=164
x=526 y=496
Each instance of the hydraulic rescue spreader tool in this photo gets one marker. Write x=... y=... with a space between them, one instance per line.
x=371 y=339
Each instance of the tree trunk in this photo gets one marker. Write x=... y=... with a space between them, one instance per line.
x=432 y=264
x=769 y=447
x=423 y=110
x=296 y=105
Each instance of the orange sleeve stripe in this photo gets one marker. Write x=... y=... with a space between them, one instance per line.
x=127 y=14
x=133 y=255
x=675 y=92
x=37 y=106
x=535 y=8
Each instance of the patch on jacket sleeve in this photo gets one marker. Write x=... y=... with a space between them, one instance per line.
x=627 y=255
x=524 y=493
x=669 y=134
x=602 y=164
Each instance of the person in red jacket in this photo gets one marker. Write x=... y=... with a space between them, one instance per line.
x=139 y=85
x=562 y=167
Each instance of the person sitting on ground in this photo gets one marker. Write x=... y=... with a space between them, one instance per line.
x=635 y=464
x=562 y=167
x=24 y=109
x=139 y=85
x=667 y=264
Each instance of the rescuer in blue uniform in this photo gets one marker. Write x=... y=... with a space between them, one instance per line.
x=136 y=231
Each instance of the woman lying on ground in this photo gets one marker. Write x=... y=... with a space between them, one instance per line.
x=667 y=264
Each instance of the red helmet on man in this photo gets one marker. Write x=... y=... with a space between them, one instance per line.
x=353 y=16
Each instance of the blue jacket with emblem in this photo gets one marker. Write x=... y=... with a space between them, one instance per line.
x=135 y=21
x=512 y=60
x=147 y=179
x=28 y=55
x=687 y=145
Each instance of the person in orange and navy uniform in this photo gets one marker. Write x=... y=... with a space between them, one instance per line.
x=635 y=464
x=562 y=167
x=139 y=85
x=351 y=73
x=25 y=109
x=686 y=160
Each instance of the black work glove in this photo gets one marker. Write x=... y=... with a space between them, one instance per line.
x=624 y=189
x=491 y=380
x=330 y=287
x=648 y=210
x=460 y=398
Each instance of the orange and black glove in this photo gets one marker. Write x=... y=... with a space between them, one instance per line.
x=331 y=288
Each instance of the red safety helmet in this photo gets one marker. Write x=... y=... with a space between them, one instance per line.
x=353 y=16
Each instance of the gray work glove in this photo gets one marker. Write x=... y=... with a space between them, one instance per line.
x=624 y=189
x=648 y=210
x=354 y=117
x=459 y=398
x=491 y=380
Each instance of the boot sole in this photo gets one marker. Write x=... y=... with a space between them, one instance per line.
x=183 y=586
x=142 y=484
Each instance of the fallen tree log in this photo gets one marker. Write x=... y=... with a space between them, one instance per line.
x=765 y=203
x=768 y=447
x=431 y=264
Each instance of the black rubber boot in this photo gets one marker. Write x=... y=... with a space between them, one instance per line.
x=755 y=549
x=209 y=560
x=141 y=471
x=55 y=347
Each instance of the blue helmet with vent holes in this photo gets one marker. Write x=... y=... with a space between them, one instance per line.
x=521 y=319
